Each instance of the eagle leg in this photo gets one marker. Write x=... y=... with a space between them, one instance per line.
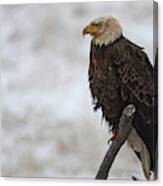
x=114 y=123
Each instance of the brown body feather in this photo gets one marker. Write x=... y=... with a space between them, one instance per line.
x=119 y=74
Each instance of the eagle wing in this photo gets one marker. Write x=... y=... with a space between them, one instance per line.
x=136 y=72
x=137 y=82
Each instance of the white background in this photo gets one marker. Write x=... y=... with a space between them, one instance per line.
x=20 y=181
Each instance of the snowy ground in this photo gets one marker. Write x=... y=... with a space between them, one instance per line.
x=48 y=125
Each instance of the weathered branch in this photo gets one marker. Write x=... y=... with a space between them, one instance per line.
x=125 y=126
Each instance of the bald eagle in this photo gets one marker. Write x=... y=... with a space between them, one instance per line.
x=120 y=73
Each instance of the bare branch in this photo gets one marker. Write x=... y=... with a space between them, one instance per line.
x=125 y=126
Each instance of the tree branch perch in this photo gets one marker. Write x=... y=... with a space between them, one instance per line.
x=125 y=126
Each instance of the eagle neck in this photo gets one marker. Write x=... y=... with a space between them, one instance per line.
x=109 y=44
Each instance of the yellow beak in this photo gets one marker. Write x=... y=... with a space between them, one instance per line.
x=89 y=30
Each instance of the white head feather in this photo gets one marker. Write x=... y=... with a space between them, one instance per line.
x=109 y=30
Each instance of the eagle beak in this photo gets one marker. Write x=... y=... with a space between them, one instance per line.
x=89 y=30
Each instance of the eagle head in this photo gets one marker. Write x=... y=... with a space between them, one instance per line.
x=104 y=30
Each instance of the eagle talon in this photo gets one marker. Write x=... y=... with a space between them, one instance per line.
x=113 y=138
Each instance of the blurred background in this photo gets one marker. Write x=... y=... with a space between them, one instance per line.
x=48 y=126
